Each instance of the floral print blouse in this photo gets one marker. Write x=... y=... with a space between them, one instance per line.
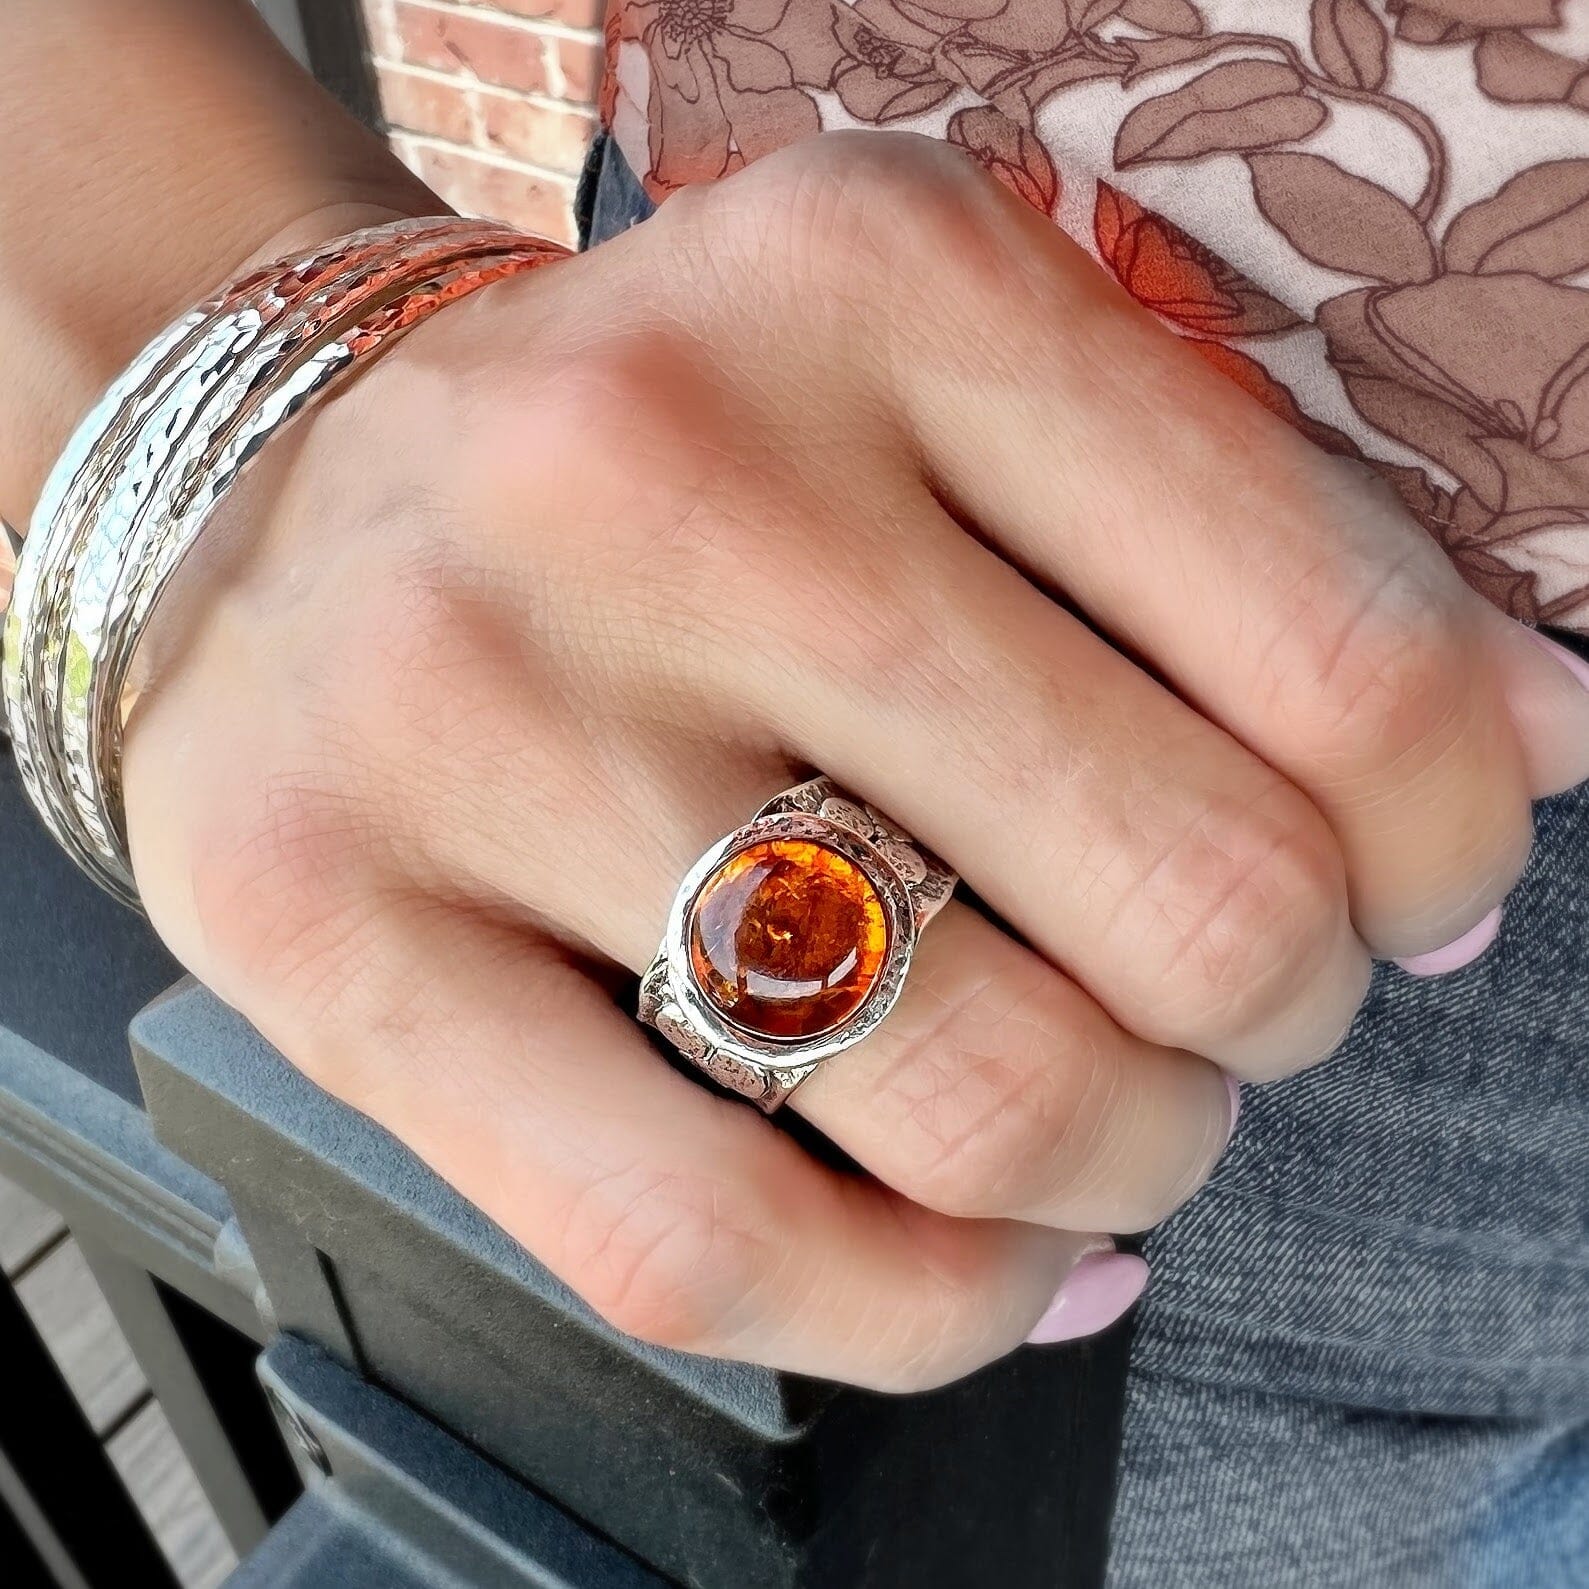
x=1372 y=214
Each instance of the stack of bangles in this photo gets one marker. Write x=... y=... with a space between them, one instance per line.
x=747 y=986
x=137 y=483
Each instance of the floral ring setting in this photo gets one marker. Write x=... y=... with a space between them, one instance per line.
x=790 y=940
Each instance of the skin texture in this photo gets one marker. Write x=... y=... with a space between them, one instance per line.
x=145 y=152
x=502 y=693
x=498 y=641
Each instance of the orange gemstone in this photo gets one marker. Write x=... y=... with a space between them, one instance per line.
x=787 y=938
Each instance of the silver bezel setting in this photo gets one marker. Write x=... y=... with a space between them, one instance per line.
x=910 y=885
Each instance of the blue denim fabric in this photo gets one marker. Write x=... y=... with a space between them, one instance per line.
x=610 y=194
x=1364 y=1357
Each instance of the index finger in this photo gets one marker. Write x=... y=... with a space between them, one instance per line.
x=1281 y=591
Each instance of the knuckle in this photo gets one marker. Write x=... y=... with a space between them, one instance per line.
x=977 y=1114
x=624 y=387
x=670 y=1258
x=695 y=538
x=649 y=398
x=644 y=387
x=274 y=892
x=901 y=172
x=1245 y=902
x=865 y=207
x=1381 y=666
x=1013 y=1108
x=906 y=173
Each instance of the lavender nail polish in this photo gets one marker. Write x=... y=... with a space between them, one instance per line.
x=1570 y=660
x=1096 y=1292
x=1461 y=952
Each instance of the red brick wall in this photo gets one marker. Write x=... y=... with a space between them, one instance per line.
x=490 y=100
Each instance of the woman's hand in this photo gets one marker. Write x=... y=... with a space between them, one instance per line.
x=796 y=475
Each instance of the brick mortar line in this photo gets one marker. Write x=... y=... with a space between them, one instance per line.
x=488 y=157
x=544 y=27
x=478 y=85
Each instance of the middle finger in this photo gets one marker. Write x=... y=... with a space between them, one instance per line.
x=996 y=1088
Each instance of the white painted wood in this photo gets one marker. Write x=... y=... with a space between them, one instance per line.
x=163 y=1485
x=27 y=1227
x=77 y=1326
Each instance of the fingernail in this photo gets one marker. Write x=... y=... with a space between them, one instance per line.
x=1461 y=952
x=1099 y=1289
x=1234 y=1088
x=1546 y=687
x=1570 y=660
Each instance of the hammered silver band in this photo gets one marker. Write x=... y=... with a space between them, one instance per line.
x=138 y=481
x=910 y=883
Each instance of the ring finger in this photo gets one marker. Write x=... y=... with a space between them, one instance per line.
x=996 y=1088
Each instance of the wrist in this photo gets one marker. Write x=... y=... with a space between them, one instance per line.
x=73 y=336
x=142 y=170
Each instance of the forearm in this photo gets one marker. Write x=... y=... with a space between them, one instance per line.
x=145 y=152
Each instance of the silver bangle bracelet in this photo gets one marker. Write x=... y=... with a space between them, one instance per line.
x=135 y=486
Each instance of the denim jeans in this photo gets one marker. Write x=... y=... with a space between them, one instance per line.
x=1364 y=1357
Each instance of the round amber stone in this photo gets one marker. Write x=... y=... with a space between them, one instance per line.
x=787 y=938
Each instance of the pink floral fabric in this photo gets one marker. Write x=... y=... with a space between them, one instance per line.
x=1373 y=214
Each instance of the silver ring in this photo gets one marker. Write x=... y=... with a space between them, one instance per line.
x=790 y=939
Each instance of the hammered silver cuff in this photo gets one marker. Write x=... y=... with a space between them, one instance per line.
x=130 y=495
